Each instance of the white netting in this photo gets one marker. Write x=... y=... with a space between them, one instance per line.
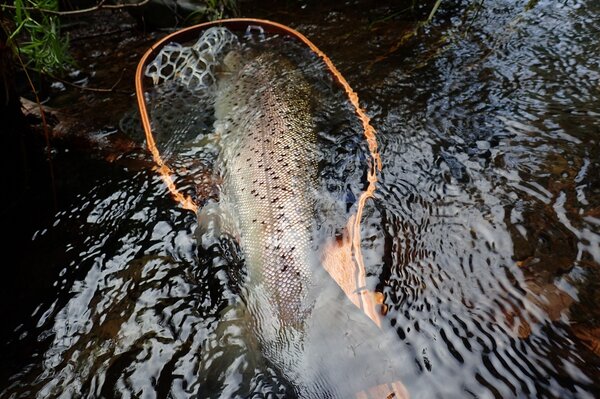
x=194 y=66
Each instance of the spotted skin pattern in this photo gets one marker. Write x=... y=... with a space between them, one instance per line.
x=269 y=175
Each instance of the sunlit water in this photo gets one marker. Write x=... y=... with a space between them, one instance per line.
x=484 y=234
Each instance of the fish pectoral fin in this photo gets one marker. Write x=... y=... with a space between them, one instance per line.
x=215 y=222
x=218 y=237
x=338 y=261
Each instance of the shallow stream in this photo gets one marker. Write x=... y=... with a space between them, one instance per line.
x=484 y=233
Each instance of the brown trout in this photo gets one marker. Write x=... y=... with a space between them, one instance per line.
x=303 y=321
x=294 y=316
x=269 y=171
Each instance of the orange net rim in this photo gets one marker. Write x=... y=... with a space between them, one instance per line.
x=241 y=24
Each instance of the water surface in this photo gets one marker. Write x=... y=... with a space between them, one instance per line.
x=484 y=234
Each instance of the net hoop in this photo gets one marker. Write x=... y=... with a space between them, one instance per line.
x=241 y=24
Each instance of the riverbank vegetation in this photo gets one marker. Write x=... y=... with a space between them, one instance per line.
x=35 y=35
x=34 y=31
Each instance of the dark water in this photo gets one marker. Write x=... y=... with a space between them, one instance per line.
x=484 y=234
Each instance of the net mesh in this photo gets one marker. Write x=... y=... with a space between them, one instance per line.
x=192 y=66
x=180 y=101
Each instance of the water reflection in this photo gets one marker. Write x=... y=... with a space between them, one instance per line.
x=484 y=234
x=484 y=202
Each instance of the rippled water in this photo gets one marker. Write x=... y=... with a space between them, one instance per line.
x=487 y=218
x=484 y=234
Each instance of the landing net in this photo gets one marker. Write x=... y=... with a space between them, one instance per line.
x=184 y=77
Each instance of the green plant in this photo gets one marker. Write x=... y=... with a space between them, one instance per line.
x=36 y=35
x=212 y=10
x=433 y=10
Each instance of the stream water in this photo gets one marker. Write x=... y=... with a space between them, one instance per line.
x=484 y=233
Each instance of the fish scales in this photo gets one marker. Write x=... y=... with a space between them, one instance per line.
x=269 y=176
